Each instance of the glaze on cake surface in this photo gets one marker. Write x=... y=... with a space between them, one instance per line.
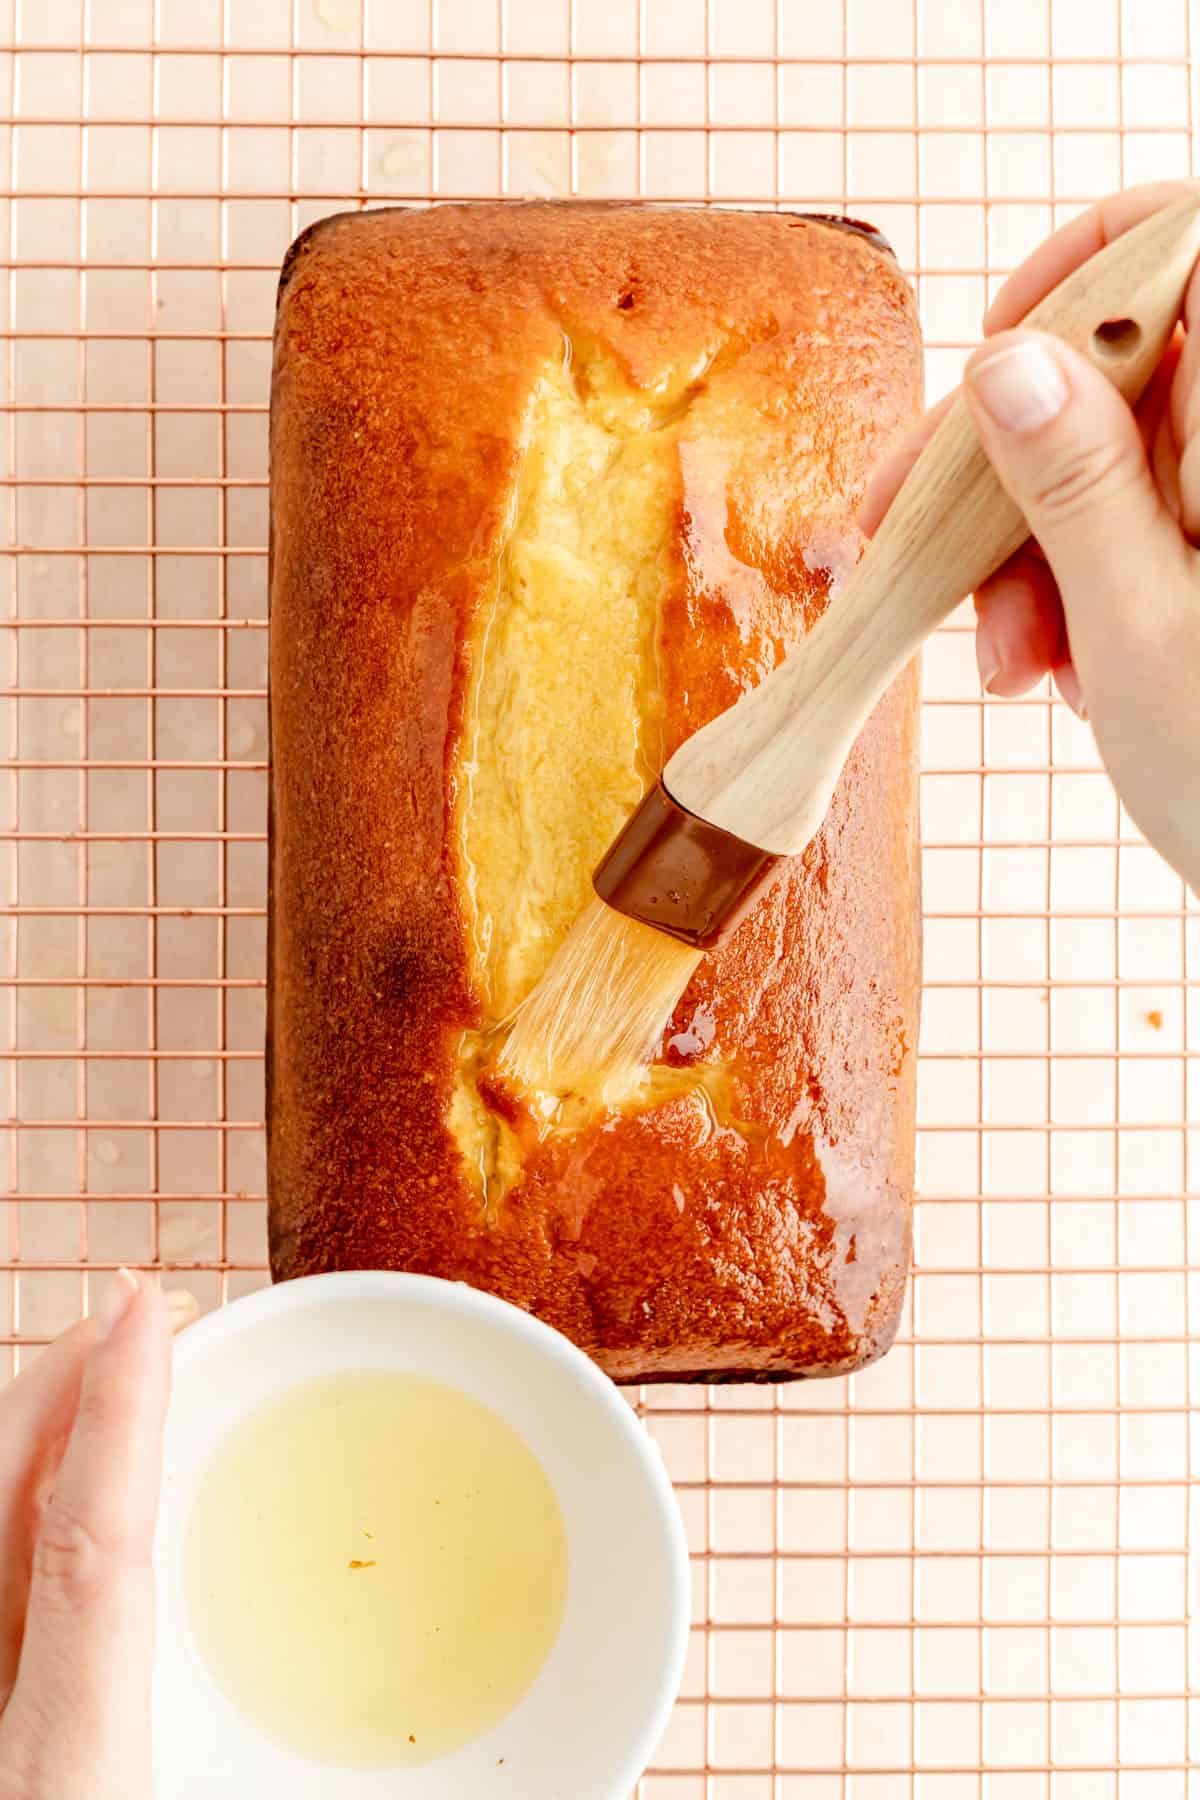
x=550 y=486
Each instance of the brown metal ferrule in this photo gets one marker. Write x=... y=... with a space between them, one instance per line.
x=678 y=873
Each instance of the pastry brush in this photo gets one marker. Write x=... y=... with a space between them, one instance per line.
x=752 y=787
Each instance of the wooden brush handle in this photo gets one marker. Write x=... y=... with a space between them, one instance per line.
x=766 y=769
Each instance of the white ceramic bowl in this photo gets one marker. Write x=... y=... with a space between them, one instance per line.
x=589 y=1724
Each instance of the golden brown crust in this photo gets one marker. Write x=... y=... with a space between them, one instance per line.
x=669 y=1243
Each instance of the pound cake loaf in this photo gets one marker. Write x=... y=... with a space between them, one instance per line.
x=551 y=485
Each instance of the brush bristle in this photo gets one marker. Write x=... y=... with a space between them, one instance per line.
x=591 y=1025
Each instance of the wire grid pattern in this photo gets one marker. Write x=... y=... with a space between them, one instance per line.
x=968 y=1571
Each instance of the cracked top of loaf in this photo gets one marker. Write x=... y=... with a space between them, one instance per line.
x=552 y=484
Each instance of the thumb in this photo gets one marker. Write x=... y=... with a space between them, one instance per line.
x=1067 y=448
x=80 y=1706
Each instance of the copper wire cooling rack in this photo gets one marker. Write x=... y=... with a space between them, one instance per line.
x=968 y=1571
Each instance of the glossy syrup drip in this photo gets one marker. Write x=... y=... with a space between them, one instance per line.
x=532 y=1119
x=858 y=226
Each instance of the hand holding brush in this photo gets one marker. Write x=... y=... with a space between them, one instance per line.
x=1040 y=438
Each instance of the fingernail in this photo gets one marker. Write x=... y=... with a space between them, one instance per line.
x=987 y=656
x=1021 y=387
x=1067 y=682
x=182 y=1308
x=115 y=1304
